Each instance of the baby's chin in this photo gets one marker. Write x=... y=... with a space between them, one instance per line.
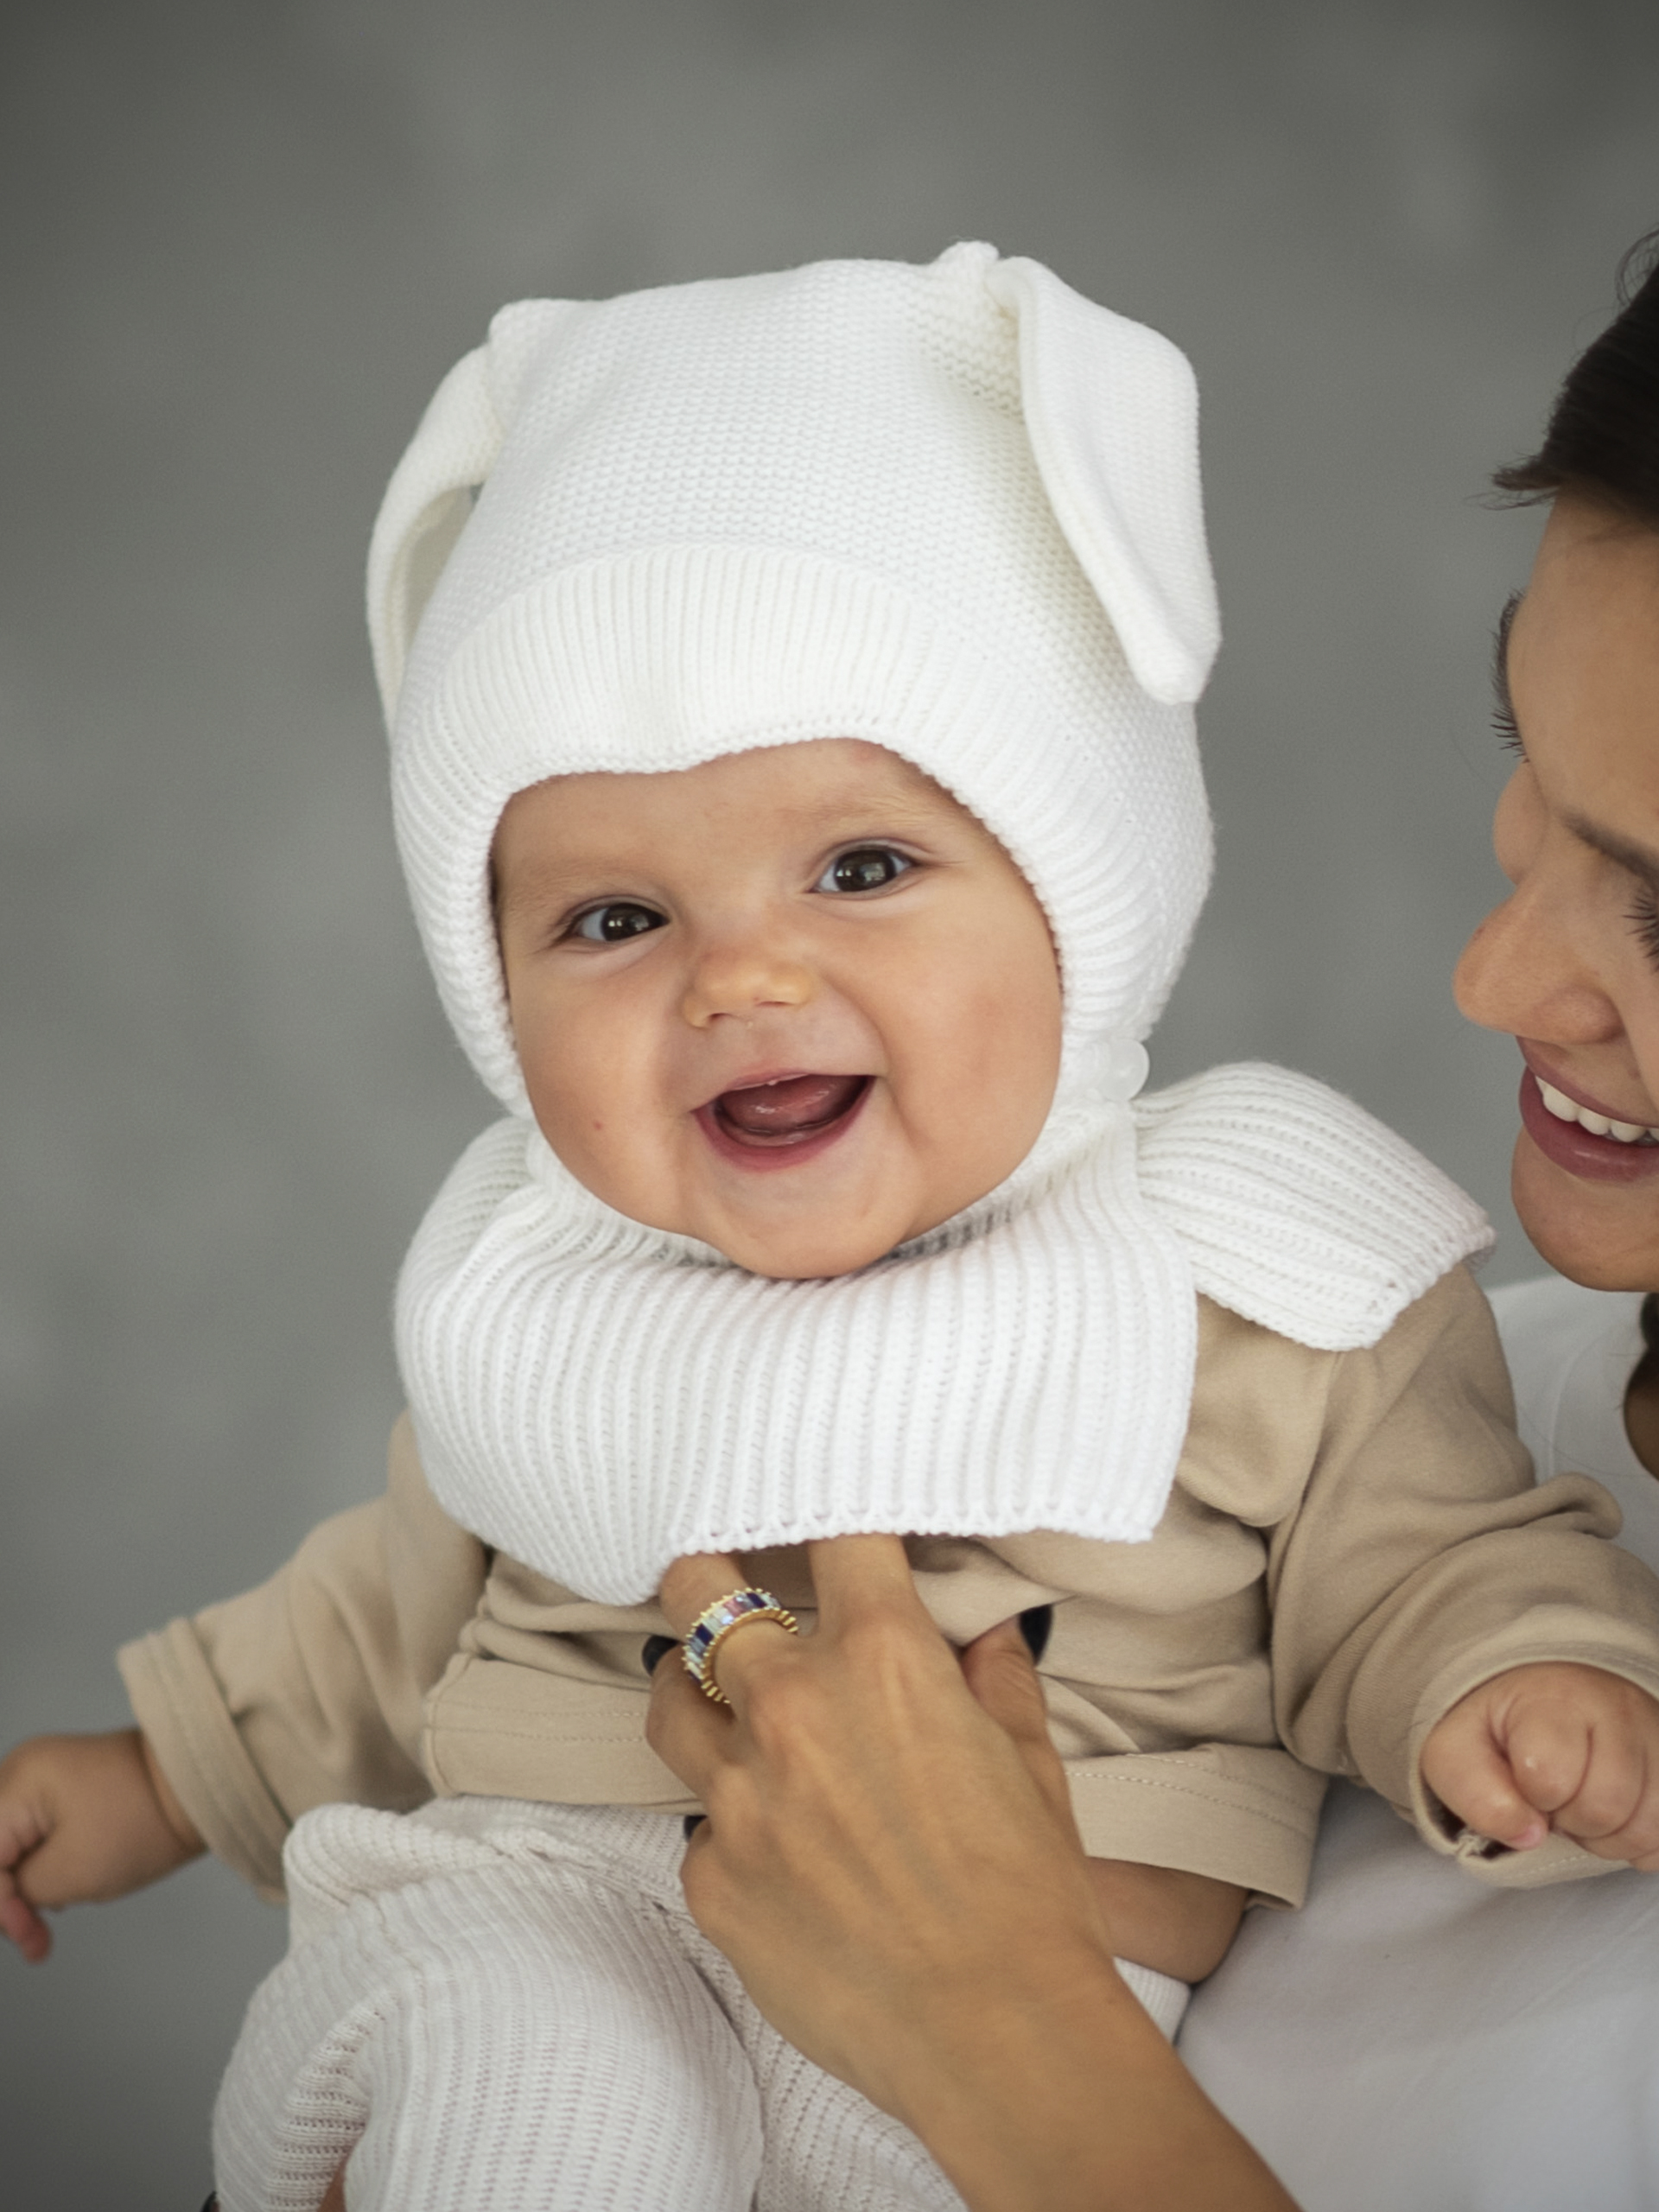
x=803 y=1252
x=791 y=1239
x=838 y=1212
x=810 y=1235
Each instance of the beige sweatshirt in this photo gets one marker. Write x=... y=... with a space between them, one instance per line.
x=1354 y=1541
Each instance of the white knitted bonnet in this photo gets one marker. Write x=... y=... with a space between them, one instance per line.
x=953 y=508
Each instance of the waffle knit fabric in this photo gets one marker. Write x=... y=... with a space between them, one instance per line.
x=953 y=509
x=508 y=2007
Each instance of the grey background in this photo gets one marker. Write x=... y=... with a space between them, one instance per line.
x=239 y=243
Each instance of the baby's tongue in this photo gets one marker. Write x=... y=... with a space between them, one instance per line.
x=789 y=1109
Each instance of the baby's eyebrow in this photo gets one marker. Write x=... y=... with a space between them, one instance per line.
x=531 y=888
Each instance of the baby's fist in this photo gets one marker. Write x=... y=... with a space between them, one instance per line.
x=82 y=1817
x=1555 y=1746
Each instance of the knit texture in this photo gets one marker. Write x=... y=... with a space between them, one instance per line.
x=1163 y=1996
x=505 y=2007
x=1296 y=1207
x=596 y=1398
x=952 y=510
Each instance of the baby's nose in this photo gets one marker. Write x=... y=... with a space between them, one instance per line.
x=743 y=977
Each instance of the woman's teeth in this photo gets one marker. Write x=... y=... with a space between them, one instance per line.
x=1564 y=1109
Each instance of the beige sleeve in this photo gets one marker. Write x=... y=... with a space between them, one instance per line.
x=308 y=1690
x=1422 y=1559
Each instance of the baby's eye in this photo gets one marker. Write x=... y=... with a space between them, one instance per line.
x=864 y=868
x=615 y=924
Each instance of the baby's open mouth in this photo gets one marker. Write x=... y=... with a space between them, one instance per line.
x=789 y=1111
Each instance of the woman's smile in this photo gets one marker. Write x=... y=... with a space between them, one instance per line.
x=1582 y=1140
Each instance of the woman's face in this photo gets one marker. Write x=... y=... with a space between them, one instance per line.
x=1569 y=963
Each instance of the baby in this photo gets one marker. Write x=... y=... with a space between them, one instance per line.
x=791 y=686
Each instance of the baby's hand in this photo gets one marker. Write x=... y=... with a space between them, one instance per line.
x=82 y=1818
x=1555 y=1746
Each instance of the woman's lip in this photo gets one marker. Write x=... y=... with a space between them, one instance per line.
x=1579 y=1150
x=1545 y=1073
x=764 y=1158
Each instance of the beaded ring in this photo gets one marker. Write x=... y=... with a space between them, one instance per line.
x=716 y=1621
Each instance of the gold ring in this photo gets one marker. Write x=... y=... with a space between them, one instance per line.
x=715 y=1623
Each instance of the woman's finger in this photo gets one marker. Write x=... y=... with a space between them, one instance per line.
x=998 y=1669
x=702 y=1580
x=689 y=1732
x=852 y=1574
x=693 y=1584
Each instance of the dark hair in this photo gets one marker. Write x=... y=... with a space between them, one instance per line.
x=1603 y=438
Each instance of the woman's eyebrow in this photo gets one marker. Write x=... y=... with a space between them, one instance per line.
x=1640 y=859
x=1501 y=661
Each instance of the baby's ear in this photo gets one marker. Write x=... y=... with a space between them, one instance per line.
x=432 y=488
x=1111 y=410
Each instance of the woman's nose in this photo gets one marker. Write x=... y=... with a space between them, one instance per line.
x=1522 y=972
x=743 y=975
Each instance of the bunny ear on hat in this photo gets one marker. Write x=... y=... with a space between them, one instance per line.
x=421 y=515
x=430 y=495
x=1111 y=411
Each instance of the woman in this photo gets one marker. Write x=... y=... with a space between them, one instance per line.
x=1409 y=2039
x=1517 y=2032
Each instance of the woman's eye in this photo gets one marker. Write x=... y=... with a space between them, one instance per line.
x=615 y=924
x=865 y=867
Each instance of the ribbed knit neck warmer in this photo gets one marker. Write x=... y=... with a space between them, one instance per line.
x=596 y=1398
x=953 y=511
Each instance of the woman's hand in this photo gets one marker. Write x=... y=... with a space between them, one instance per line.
x=891 y=1864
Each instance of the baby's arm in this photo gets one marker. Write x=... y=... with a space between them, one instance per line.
x=1178 y=1923
x=305 y=1690
x=82 y=1819
x=1562 y=1747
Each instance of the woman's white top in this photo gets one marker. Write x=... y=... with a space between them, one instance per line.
x=1572 y=1352
x=1409 y=2041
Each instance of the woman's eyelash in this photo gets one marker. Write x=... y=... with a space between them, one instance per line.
x=1504 y=720
x=1644 y=918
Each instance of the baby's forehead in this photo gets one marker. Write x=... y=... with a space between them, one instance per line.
x=819 y=785
x=806 y=771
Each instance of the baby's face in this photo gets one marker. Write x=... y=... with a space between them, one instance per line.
x=795 y=1003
